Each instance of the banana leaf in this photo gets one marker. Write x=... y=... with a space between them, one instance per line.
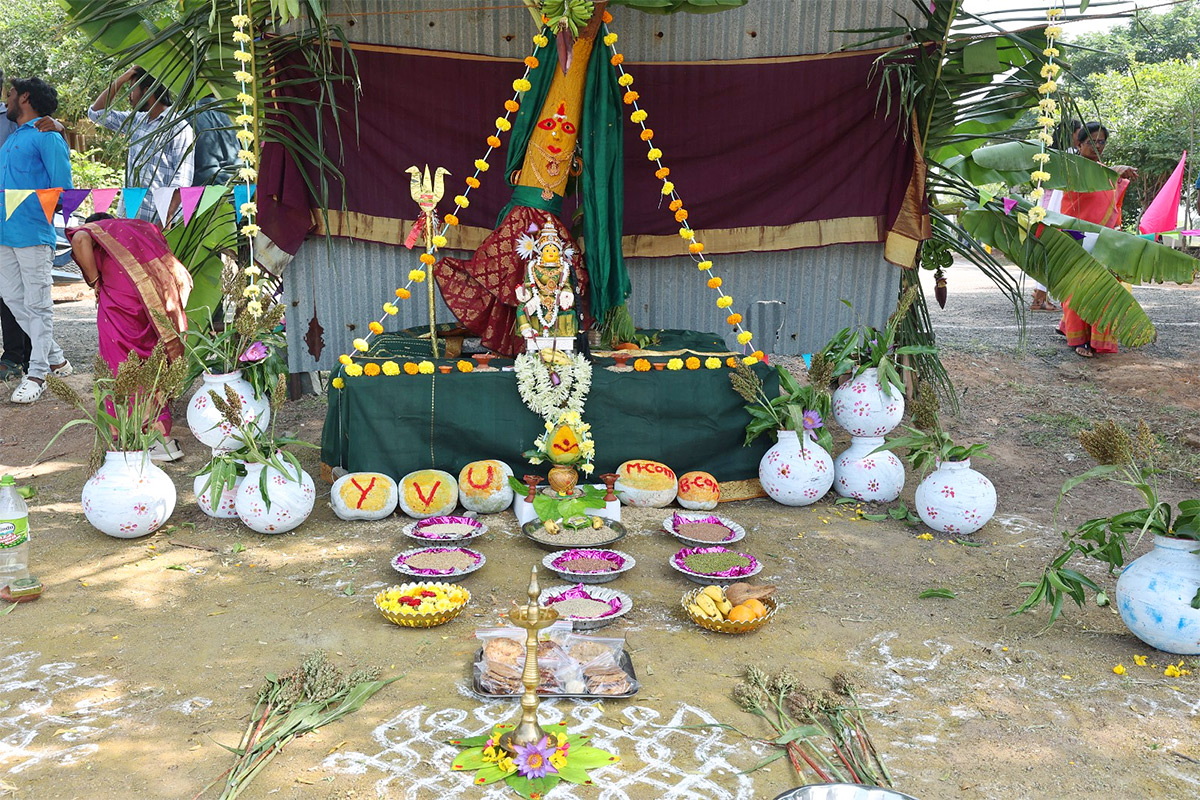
x=1134 y=259
x=1068 y=171
x=1057 y=260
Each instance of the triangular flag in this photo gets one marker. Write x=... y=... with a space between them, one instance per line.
x=189 y=198
x=14 y=198
x=1162 y=215
x=134 y=197
x=242 y=193
x=102 y=199
x=49 y=200
x=211 y=195
x=162 y=202
x=71 y=200
x=1009 y=205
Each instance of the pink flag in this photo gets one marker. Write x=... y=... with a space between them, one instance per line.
x=1162 y=215
x=102 y=199
x=189 y=198
x=1009 y=205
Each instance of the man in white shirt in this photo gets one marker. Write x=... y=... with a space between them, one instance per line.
x=160 y=146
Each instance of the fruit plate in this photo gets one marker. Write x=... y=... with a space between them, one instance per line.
x=428 y=620
x=399 y=562
x=538 y=535
x=595 y=593
x=624 y=662
x=559 y=561
x=426 y=530
x=736 y=532
x=724 y=625
x=719 y=579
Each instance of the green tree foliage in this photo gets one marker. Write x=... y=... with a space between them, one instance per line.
x=39 y=42
x=1147 y=38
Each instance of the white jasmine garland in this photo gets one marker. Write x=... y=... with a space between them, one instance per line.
x=541 y=396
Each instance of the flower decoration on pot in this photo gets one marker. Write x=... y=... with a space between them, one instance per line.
x=126 y=494
x=534 y=769
x=567 y=444
x=1158 y=594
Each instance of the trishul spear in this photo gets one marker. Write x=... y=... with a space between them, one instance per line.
x=427 y=193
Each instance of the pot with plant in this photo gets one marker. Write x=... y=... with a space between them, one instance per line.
x=1158 y=594
x=871 y=401
x=126 y=495
x=242 y=355
x=276 y=495
x=216 y=485
x=797 y=470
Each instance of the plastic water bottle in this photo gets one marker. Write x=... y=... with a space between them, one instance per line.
x=14 y=534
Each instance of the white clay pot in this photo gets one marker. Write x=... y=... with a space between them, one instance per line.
x=955 y=498
x=864 y=475
x=207 y=423
x=223 y=507
x=795 y=475
x=1154 y=596
x=129 y=496
x=364 y=495
x=291 y=500
x=861 y=407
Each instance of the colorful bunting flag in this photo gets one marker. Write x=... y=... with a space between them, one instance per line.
x=13 y=198
x=102 y=199
x=162 y=202
x=242 y=193
x=49 y=200
x=134 y=197
x=1009 y=205
x=189 y=198
x=71 y=200
x=211 y=195
x=1162 y=215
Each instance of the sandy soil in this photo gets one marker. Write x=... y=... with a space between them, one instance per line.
x=143 y=656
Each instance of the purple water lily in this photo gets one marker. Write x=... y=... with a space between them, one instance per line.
x=812 y=421
x=255 y=352
x=533 y=760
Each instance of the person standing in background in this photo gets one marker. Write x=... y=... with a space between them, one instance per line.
x=15 y=346
x=216 y=151
x=32 y=159
x=160 y=145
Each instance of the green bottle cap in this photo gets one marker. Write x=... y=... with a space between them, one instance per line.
x=7 y=480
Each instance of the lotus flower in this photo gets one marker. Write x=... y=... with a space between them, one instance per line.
x=533 y=760
x=255 y=352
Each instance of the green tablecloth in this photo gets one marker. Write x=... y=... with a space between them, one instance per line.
x=687 y=419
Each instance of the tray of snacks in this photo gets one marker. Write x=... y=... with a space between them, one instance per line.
x=422 y=605
x=445 y=529
x=586 y=607
x=582 y=531
x=703 y=529
x=569 y=665
x=588 y=566
x=714 y=564
x=438 y=562
x=713 y=607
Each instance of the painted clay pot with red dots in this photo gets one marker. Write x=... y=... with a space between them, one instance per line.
x=287 y=501
x=428 y=493
x=864 y=408
x=864 y=474
x=483 y=487
x=223 y=507
x=129 y=496
x=955 y=498
x=364 y=495
x=795 y=475
x=209 y=426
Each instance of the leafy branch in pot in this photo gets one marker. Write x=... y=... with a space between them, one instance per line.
x=854 y=350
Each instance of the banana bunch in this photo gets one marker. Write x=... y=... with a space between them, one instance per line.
x=711 y=604
x=572 y=14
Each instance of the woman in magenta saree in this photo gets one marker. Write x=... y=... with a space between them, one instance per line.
x=134 y=273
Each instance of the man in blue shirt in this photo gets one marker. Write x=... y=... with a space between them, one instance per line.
x=32 y=159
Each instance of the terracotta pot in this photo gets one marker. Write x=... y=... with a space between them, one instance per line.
x=660 y=365
x=563 y=479
x=482 y=360
x=445 y=369
x=619 y=359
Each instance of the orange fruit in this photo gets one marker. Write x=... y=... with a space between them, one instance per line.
x=741 y=613
x=756 y=606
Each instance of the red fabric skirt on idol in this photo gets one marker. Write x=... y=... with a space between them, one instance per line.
x=481 y=290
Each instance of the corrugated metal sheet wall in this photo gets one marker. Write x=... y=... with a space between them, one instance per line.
x=794 y=294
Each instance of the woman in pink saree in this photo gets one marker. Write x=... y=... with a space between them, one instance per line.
x=134 y=273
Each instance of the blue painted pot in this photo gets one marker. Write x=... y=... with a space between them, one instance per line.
x=1154 y=596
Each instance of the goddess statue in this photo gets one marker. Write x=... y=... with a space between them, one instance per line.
x=547 y=302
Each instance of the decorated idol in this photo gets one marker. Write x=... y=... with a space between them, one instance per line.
x=547 y=303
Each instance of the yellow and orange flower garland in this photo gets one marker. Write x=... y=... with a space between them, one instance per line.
x=248 y=151
x=1047 y=111
x=503 y=125
x=686 y=232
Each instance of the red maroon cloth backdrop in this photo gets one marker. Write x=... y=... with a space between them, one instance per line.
x=767 y=142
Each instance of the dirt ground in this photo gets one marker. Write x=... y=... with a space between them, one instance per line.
x=143 y=656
